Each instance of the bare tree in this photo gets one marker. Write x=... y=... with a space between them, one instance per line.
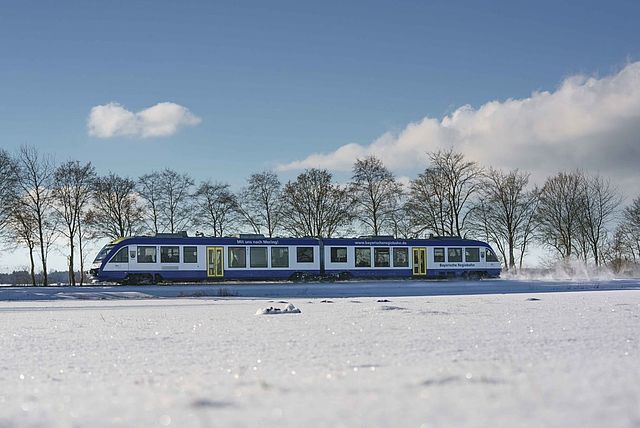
x=35 y=183
x=315 y=206
x=376 y=194
x=72 y=190
x=632 y=223
x=428 y=204
x=8 y=182
x=504 y=213
x=529 y=225
x=149 y=189
x=260 y=202
x=559 y=212
x=167 y=198
x=599 y=206
x=626 y=241
x=216 y=207
x=84 y=234
x=619 y=254
x=402 y=223
x=116 y=211
x=21 y=224
x=440 y=198
x=175 y=204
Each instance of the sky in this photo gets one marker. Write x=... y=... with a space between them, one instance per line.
x=222 y=90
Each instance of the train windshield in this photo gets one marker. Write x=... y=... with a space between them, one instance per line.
x=103 y=253
x=491 y=256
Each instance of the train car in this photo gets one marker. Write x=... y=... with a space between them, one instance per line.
x=388 y=257
x=179 y=258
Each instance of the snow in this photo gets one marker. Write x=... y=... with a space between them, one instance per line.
x=461 y=354
x=289 y=309
x=314 y=290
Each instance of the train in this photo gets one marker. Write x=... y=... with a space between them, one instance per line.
x=252 y=257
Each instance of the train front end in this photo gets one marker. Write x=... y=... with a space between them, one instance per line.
x=96 y=269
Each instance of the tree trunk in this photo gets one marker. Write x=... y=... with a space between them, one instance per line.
x=81 y=254
x=33 y=266
x=43 y=256
x=72 y=273
x=512 y=259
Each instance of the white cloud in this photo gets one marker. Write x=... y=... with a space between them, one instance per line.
x=161 y=120
x=586 y=122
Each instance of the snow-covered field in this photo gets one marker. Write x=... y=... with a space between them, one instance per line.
x=292 y=290
x=457 y=355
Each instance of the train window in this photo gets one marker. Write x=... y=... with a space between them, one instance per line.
x=190 y=254
x=438 y=255
x=169 y=254
x=401 y=257
x=258 y=257
x=279 y=257
x=454 y=255
x=338 y=254
x=120 y=257
x=237 y=257
x=382 y=257
x=146 y=254
x=304 y=254
x=491 y=256
x=363 y=257
x=472 y=255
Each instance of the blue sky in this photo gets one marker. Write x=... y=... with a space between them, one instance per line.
x=276 y=81
x=538 y=85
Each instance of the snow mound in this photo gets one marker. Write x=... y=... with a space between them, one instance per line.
x=289 y=309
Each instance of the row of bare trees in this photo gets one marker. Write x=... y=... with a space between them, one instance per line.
x=41 y=201
x=625 y=247
x=574 y=214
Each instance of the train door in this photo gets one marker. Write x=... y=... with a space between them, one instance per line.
x=419 y=261
x=215 y=261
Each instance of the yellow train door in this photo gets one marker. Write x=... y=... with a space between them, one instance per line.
x=419 y=261
x=215 y=261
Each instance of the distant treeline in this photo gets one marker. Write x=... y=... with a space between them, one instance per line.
x=576 y=215
x=23 y=277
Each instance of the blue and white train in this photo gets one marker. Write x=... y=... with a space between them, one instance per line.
x=179 y=258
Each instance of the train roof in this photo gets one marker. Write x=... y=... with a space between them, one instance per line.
x=168 y=239
x=210 y=240
x=399 y=242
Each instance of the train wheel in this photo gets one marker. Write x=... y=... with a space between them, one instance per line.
x=145 y=279
x=296 y=277
x=475 y=276
x=345 y=276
